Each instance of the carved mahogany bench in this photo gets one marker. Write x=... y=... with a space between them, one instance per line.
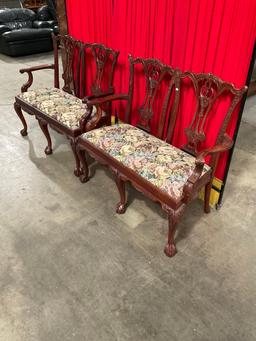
x=145 y=157
x=63 y=109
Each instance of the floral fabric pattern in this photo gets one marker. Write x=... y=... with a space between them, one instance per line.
x=58 y=104
x=162 y=164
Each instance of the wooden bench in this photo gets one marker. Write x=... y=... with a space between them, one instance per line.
x=168 y=175
x=63 y=110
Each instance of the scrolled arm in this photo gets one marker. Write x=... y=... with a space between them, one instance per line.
x=87 y=122
x=225 y=145
x=29 y=71
x=85 y=118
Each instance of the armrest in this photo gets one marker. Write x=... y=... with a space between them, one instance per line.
x=29 y=71
x=104 y=94
x=225 y=145
x=4 y=28
x=87 y=122
x=38 y=67
x=105 y=99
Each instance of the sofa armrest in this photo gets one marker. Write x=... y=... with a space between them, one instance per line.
x=29 y=71
x=4 y=28
x=43 y=24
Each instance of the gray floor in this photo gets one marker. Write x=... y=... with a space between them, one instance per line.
x=71 y=269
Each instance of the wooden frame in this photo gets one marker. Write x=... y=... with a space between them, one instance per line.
x=76 y=54
x=208 y=90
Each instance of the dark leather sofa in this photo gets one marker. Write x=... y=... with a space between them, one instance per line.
x=23 y=31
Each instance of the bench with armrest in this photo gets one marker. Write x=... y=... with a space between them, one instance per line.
x=63 y=109
x=142 y=153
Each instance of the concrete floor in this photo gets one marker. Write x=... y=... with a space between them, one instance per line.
x=71 y=269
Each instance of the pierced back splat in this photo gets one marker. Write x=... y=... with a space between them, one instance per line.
x=156 y=74
x=76 y=62
x=208 y=90
x=69 y=46
x=103 y=57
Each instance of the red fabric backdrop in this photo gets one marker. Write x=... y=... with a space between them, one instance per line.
x=202 y=36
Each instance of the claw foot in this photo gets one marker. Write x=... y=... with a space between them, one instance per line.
x=78 y=172
x=170 y=250
x=83 y=178
x=23 y=132
x=48 y=150
x=120 y=208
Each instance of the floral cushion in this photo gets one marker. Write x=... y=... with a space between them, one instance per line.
x=162 y=164
x=58 y=104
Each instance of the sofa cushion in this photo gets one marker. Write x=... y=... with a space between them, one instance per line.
x=4 y=28
x=6 y=15
x=58 y=104
x=162 y=164
x=27 y=34
x=43 y=24
x=16 y=25
x=23 y=14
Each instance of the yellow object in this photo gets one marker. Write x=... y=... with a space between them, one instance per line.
x=214 y=197
x=112 y=119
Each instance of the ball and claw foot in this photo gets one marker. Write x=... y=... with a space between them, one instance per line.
x=48 y=150
x=78 y=172
x=120 y=208
x=83 y=178
x=170 y=250
x=24 y=132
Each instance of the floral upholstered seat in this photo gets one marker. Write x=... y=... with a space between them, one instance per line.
x=58 y=104
x=162 y=164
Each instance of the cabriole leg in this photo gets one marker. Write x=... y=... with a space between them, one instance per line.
x=170 y=248
x=44 y=127
x=17 y=108
x=84 y=175
x=120 y=208
x=77 y=170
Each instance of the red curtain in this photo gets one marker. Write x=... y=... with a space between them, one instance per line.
x=90 y=20
x=202 y=36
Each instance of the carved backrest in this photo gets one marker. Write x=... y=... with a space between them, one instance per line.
x=88 y=69
x=211 y=95
x=161 y=97
x=69 y=49
x=105 y=60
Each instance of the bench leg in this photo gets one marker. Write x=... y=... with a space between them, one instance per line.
x=120 y=208
x=77 y=170
x=207 y=194
x=84 y=174
x=170 y=248
x=44 y=127
x=17 y=108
